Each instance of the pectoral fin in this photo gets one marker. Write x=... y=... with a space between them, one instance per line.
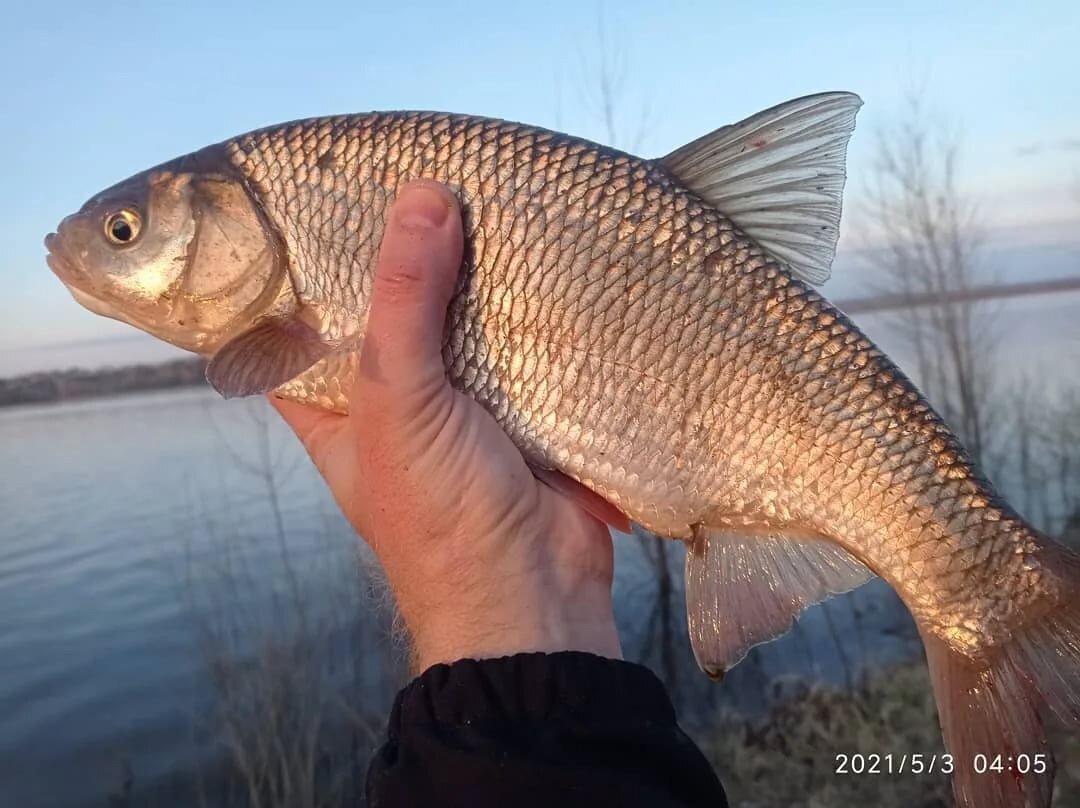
x=745 y=589
x=265 y=357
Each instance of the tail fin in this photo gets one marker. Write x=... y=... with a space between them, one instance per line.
x=996 y=708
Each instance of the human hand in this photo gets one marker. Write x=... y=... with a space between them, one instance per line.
x=484 y=559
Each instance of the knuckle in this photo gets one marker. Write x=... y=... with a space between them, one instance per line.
x=403 y=284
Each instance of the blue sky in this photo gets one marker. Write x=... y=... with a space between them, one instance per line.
x=95 y=92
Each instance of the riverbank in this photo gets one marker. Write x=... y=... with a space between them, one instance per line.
x=818 y=747
x=68 y=385
x=793 y=755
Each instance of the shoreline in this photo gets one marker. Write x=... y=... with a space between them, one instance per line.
x=55 y=387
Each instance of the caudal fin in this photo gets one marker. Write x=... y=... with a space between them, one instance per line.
x=992 y=712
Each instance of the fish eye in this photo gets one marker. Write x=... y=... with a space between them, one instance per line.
x=123 y=226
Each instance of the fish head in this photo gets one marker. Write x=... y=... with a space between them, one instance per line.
x=181 y=251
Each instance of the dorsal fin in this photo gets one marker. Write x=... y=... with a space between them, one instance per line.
x=779 y=175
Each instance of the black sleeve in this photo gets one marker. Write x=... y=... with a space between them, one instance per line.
x=554 y=730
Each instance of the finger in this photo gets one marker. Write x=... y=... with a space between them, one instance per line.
x=418 y=265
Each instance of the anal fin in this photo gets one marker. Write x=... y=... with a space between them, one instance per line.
x=745 y=588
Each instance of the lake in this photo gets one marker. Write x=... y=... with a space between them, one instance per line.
x=113 y=516
x=151 y=542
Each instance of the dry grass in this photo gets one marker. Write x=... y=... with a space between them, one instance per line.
x=294 y=636
x=788 y=757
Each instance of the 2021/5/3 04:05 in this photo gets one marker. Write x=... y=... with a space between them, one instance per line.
x=918 y=763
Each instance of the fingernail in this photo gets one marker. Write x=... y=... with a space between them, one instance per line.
x=423 y=208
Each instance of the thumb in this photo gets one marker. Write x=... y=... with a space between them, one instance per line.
x=418 y=266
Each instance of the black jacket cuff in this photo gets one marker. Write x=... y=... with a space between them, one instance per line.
x=568 y=686
x=565 y=730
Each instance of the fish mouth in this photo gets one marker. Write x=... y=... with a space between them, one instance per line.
x=90 y=296
x=76 y=279
x=60 y=262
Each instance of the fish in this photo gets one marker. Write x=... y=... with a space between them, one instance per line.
x=650 y=334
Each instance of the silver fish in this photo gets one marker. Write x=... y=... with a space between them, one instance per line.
x=648 y=329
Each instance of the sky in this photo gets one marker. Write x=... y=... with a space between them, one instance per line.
x=93 y=93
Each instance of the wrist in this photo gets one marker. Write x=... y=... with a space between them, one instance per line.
x=516 y=622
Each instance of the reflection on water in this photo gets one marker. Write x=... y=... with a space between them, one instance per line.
x=113 y=515
x=127 y=522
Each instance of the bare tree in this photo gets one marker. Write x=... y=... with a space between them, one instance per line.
x=1043 y=447
x=1060 y=449
x=605 y=86
x=1025 y=433
x=927 y=242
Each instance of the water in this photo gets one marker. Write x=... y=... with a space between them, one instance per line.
x=113 y=513
x=128 y=523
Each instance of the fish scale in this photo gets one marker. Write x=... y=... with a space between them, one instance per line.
x=647 y=329
x=494 y=167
